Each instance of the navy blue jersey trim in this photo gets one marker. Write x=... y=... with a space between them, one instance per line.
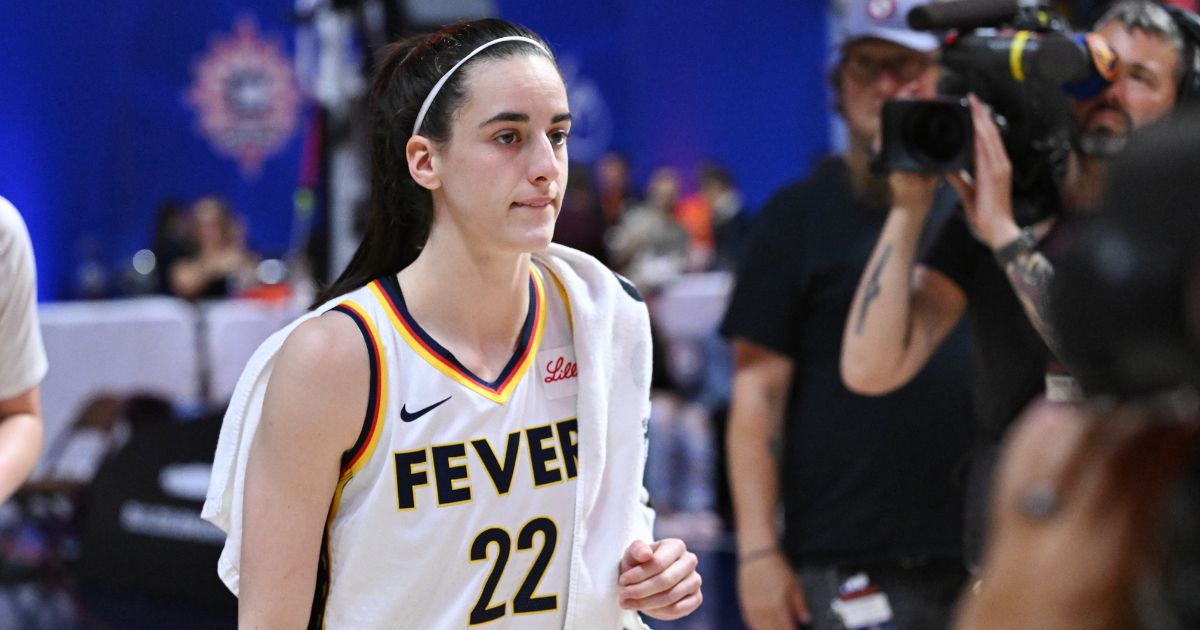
x=373 y=393
x=392 y=287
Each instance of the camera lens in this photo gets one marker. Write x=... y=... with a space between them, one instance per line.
x=935 y=134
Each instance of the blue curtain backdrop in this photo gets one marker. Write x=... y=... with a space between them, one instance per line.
x=742 y=83
x=95 y=130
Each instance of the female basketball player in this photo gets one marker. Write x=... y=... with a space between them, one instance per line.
x=458 y=439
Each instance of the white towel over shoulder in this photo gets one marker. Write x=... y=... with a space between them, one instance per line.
x=612 y=347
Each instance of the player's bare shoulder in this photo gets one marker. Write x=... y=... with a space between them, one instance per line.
x=322 y=374
x=328 y=345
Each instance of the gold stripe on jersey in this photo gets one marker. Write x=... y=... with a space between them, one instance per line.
x=377 y=406
x=502 y=391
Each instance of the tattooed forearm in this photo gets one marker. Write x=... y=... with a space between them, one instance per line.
x=871 y=291
x=1030 y=275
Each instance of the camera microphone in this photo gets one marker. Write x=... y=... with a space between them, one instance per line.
x=962 y=14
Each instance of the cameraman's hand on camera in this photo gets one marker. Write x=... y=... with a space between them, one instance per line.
x=912 y=192
x=987 y=198
x=1080 y=494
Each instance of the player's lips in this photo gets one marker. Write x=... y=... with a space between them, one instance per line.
x=536 y=202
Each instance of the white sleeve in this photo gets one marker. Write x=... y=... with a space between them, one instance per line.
x=22 y=354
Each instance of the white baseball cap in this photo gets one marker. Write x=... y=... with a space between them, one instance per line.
x=886 y=20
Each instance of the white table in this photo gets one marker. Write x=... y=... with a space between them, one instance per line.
x=142 y=345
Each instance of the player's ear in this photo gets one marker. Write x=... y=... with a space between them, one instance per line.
x=422 y=159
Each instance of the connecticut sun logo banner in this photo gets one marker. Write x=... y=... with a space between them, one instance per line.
x=245 y=96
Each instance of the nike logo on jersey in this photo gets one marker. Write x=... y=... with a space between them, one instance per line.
x=408 y=416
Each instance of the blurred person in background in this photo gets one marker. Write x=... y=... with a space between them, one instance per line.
x=870 y=486
x=713 y=219
x=648 y=245
x=22 y=355
x=174 y=239
x=694 y=213
x=222 y=265
x=614 y=187
x=581 y=221
x=730 y=222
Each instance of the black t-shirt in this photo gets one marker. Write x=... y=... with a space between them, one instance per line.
x=1011 y=356
x=863 y=478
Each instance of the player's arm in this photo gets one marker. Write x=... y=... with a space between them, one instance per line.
x=313 y=412
x=901 y=311
x=20 y=438
x=768 y=592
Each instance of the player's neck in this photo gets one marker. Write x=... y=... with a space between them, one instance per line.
x=474 y=305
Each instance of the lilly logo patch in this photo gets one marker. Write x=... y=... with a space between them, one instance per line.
x=559 y=372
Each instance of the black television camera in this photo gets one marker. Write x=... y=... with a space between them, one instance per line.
x=1020 y=58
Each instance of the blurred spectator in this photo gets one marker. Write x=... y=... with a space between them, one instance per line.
x=729 y=222
x=647 y=245
x=694 y=214
x=713 y=219
x=222 y=266
x=580 y=222
x=174 y=239
x=614 y=188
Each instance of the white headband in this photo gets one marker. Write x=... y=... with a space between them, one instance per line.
x=437 y=87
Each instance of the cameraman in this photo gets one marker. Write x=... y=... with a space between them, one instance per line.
x=866 y=484
x=983 y=265
x=1081 y=490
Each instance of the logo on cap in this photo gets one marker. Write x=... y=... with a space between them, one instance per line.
x=880 y=10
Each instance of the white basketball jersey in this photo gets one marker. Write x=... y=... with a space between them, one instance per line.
x=455 y=508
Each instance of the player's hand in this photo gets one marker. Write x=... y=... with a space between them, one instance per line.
x=660 y=579
x=987 y=199
x=771 y=595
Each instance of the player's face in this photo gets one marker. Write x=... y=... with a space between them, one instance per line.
x=874 y=71
x=504 y=170
x=1145 y=86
